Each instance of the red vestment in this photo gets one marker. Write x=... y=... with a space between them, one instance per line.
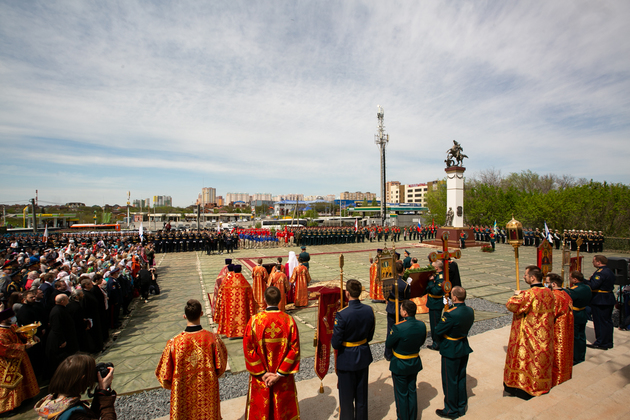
x=301 y=278
x=190 y=367
x=217 y=286
x=272 y=344
x=530 y=355
x=376 y=288
x=280 y=281
x=235 y=305
x=259 y=276
x=14 y=362
x=562 y=338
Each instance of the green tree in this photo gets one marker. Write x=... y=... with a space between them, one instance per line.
x=311 y=214
x=374 y=202
x=436 y=203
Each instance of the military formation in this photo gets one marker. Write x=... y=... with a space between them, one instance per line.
x=592 y=240
x=312 y=236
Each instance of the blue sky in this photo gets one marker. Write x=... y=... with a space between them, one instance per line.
x=164 y=98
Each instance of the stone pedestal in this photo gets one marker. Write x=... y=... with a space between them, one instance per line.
x=455 y=194
x=454 y=235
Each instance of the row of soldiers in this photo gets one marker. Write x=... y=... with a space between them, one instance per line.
x=310 y=236
x=592 y=241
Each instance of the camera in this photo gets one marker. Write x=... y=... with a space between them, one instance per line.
x=102 y=368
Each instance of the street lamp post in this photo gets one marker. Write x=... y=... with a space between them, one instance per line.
x=381 y=139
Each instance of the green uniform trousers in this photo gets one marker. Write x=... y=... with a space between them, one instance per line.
x=406 y=399
x=454 y=385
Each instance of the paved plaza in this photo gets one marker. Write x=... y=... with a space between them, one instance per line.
x=183 y=276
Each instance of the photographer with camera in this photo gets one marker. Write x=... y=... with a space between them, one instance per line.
x=74 y=376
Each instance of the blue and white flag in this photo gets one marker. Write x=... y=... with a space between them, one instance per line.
x=495 y=226
x=141 y=231
x=548 y=234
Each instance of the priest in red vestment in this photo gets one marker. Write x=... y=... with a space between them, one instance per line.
x=301 y=278
x=18 y=382
x=272 y=356
x=562 y=332
x=279 y=279
x=259 y=277
x=235 y=305
x=217 y=284
x=376 y=289
x=529 y=359
x=190 y=367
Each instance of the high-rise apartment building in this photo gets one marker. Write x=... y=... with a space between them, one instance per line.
x=234 y=197
x=162 y=201
x=262 y=197
x=208 y=196
x=392 y=192
x=357 y=196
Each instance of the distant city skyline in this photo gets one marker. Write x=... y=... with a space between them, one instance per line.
x=165 y=98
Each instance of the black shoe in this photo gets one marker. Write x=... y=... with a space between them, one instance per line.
x=443 y=414
x=593 y=346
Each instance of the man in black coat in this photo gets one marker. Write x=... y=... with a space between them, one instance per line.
x=31 y=312
x=81 y=324
x=62 y=340
x=91 y=310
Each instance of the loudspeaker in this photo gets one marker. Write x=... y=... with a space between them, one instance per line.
x=621 y=267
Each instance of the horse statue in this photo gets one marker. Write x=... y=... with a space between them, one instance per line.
x=454 y=155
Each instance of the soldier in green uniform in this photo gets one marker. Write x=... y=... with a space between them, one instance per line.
x=453 y=333
x=435 y=301
x=405 y=340
x=305 y=257
x=581 y=295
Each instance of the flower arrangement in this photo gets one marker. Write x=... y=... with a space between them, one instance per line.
x=487 y=248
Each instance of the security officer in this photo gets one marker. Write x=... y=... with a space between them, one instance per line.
x=453 y=333
x=435 y=300
x=404 y=293
x=405 y=340
x=602 y=283
x=353 y=330
x=407 y=260
x=305 y=257
x=581 y=295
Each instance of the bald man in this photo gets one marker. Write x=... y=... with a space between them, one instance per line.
x=62 y=340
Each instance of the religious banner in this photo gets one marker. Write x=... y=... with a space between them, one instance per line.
x=575 y=264
x=544 y=257
x=326 y=311
x=386 y=270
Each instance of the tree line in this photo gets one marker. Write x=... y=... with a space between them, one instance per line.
x=564 y=202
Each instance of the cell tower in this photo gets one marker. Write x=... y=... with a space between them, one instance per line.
x=381 y=139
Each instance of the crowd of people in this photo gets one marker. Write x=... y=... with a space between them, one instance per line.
x=77 y=288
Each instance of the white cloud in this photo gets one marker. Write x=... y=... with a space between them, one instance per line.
x=278 y=96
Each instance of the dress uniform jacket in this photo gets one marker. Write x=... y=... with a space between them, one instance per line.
x=453 y=331
x=602 y=283
x=353 y=330
x=405 y=339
